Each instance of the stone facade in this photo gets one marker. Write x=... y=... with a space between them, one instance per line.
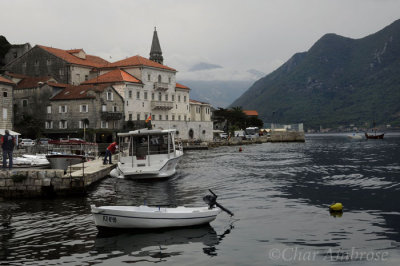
x=6 y=104
x=15 y=51
x=188 y=130
x=94 y=108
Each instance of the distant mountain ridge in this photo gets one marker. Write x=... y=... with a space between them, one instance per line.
x=338 y=81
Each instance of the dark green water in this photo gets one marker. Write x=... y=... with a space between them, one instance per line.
x=279 y=193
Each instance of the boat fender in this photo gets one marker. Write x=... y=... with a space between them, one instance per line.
x=337 y=207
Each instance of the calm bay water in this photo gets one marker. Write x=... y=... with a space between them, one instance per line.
x=279 y=193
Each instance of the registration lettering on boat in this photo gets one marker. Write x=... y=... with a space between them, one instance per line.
x=109 y=219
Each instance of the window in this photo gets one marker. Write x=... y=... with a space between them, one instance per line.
x=130 y=117
x=138 y=95
x=61 y=71
x=78 y=78
x=160 y=117
x=83 y=108
x=80 y=124
x=173 y=97
x=153 y=117
x=62 y=109
x=110 y=96
x=152 y=96
x=115 y=108
x=5 y=113
x=179 y=98
x=104 y=124
x=142 y=104
x=148 y=77
x=63 y=124
x=48 y=62
x=169 y=79
x=159 y=96
x=48 y=124
x=166 y=97
x=4 y=94
x=184 y=98
x=159 y=78
x=173 y=117
x=185 y=118
x=36 y=63
x=24 y=103
x=179 y=117
x=49 y=109
x=127 y=103
x=176 y=106
x=138 y=116
x=145 y=95
x=86 y=77
x=166 y=117
x=104 y=108
x=15 y=54
x=130 y=94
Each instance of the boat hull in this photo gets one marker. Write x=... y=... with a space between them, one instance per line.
x=167 y=170
x=380 y=136
x=62 y=161
x=148 y=217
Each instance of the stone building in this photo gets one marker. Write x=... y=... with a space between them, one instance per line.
x=65 y=66
x=15 y=51
x=91 y=111
x=6 y=103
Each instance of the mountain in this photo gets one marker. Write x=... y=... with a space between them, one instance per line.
x=218 y=93
x=338 y=81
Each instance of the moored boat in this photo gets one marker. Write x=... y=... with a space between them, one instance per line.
x=64 y=153
x=147 y=154
x=130 y=217
x=376 y=136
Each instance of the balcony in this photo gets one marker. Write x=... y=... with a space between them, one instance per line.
x=160 y=105
x=107 y=116
x=160 y=86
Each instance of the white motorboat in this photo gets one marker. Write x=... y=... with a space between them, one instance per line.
x=147 y=154
x=355 y=136
x=130 y=217
x=64 y=153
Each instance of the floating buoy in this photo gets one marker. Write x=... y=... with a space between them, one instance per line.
x=240 y=149
x=337 y=207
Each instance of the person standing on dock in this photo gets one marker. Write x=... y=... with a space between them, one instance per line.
x=7 y=144
x=109 y=151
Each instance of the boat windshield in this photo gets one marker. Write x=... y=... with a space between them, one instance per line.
x=143 y=145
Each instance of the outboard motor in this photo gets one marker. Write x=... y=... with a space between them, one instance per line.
x=211 y=200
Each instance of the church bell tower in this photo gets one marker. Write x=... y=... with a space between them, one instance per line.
x=155 y=52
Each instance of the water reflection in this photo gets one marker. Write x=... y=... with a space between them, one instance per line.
x=159 y=244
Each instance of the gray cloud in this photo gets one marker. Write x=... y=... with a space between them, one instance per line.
x=204 y=66
x=261 y=34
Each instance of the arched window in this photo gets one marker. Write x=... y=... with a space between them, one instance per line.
x=159 y=78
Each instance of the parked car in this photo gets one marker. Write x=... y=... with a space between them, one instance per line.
x=42 y=141
x=26 y=143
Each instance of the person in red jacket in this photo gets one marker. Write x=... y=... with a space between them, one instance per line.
x=109 y=151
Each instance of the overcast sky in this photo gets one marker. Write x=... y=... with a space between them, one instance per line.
x=230 y=37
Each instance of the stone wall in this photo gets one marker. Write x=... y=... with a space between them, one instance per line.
x=6 y=106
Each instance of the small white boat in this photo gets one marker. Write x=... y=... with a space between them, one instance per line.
x=131 y=217
x=151 y=217
x=31 y=161
x=147 y=154
x=355 y=136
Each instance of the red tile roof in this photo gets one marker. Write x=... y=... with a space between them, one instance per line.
x=7 y=81
x=137 y=60
x=58 y=85
x=31 y=82
x=250 y=112
x=91 y=60
x=178 y=85
x=79 y=92
x=113 y=76
x=16 y=75
x=198 y=102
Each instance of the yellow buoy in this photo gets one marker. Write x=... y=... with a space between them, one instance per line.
x=337 y=207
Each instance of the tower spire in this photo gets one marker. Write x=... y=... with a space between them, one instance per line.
x=155 y=51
